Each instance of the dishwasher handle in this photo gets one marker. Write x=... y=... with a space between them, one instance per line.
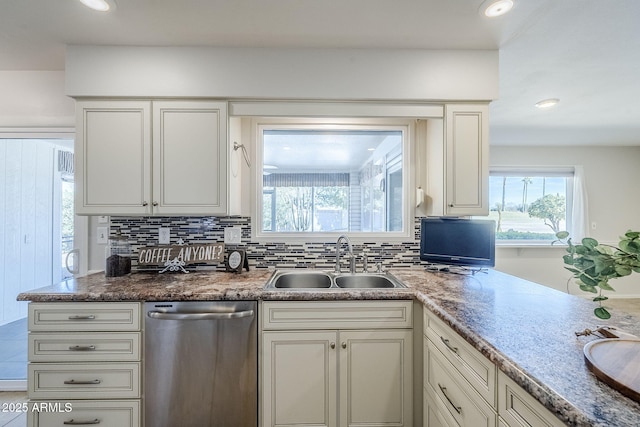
x=199 y=316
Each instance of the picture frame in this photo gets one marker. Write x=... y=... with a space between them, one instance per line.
x=236 y=260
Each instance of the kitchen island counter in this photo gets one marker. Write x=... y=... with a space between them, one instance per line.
x=526 y=329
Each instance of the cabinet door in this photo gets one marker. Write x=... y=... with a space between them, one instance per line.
x=189 y=158
x=299 y=378
x=376 y=378
x=113 y=158
x=467 y=159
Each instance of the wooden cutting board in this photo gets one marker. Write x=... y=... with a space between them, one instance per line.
x=617 y=363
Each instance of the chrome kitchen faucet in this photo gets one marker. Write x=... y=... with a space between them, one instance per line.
x=352 y=264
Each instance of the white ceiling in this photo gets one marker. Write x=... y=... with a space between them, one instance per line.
x=585 y=52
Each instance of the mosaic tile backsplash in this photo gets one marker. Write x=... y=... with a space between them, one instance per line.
x=143 y=231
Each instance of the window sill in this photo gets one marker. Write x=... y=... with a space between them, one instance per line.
x=530 y=245
x=354 y=237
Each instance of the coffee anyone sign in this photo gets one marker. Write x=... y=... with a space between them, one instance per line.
x=176 y=257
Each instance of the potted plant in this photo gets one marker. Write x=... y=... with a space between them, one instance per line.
x=593 y=264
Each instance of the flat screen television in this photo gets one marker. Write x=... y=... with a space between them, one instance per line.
x=458 y=242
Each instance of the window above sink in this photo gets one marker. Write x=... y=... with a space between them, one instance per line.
x=324 y=177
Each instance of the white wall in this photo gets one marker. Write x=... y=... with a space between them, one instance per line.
x=33 y=100
x=269 y=73
x=612 y=176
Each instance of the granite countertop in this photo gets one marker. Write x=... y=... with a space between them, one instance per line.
x=526 y=329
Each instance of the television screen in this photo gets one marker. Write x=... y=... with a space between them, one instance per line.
x=457 y=241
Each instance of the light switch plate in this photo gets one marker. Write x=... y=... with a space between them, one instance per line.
x=103 y=235
x=164 y=235
x=232 y=235
x=103 y=219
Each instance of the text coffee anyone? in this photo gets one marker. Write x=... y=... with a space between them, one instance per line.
x=158 y=255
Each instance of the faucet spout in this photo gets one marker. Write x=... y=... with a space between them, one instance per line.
x=344 y=238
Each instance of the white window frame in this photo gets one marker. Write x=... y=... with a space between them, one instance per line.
x=538 y=171
x=407 y=127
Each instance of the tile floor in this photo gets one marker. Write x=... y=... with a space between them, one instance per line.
x=13 y=366
x=13 y=351
x=9 y=417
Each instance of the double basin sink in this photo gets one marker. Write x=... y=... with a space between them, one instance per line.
x=323 y=280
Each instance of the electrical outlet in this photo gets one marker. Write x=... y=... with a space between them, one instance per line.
x=232 y=235
x=164 y=235
x=103 y=235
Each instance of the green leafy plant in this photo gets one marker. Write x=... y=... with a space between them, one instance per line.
x=593 y=264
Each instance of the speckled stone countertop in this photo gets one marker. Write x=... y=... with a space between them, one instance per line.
x=527 y=330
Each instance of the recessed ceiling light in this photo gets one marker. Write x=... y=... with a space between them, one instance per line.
x=547 y=103
x=99 y=5
x=493 y=8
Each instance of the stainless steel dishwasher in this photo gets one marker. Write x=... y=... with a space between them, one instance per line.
x=201 y=364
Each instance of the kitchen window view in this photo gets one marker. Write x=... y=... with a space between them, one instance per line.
x=67 y=263
x=332 y=179
x=530 y=206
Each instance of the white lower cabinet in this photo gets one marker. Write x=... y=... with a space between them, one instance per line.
x=450 y=391
x=518 y=408
x=349 y=375
x=464 y=388
x=434 y=415
x=84 y=364
x=124 y=413
x=299 y=371
x=459 y=382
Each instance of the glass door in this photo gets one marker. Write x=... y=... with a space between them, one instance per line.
x=36 y=234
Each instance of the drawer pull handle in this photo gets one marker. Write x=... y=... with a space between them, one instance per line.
x=444 y=392
x=83 y=317
x=449 y=346
x=74 y=382
x=73 y=422
x=82 y=347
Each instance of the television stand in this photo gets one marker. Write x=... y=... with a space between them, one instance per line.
x=455 y=269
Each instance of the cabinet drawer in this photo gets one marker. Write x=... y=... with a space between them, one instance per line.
x=519 y=408
x=83 y=380
x=84 y=316
x=278 y=315
x=451 y=391
x=119 y=413
x=84 y=347
x=473 y=366
x=433 y=416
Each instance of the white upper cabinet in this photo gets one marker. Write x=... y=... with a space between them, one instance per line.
x=458 y=161
x=189 y=158
x=113 y=157
x=126 y=166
